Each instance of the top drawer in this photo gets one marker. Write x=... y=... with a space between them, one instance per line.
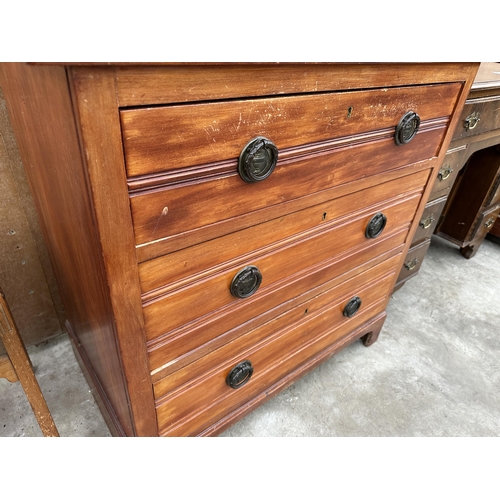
x=478 y=116
x=166 y=138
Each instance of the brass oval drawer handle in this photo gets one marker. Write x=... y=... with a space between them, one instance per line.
x=257 y=160
x=445 y=172
x=407 y=128
x=376 y=225
x=246 y=282
x=427 y=222
x=471 y=121
x=411 y=264
x=489 y=222
x=352 y=307
x=240 y=374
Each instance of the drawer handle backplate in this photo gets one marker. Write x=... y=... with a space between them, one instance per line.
x=471 y=121
x=376 y=225
x=411 y=264
x=246 y=282
x=489 y=222
x=445 y=172
x=257 y=160
x=240 y=374
x=352 y=307
x=427 y=222
x=407 y=128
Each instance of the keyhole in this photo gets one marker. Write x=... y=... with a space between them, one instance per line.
x=349 y=111
x=324 y=216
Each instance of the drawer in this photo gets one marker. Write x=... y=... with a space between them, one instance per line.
x=203 y=205
x=429 y=220
x=192 y=263
x=274 y=350
x=166 y=138
x=212 y=292
x=453 y=162
x=182 y=346
x=413 y=261
x=484 y=223
x=478 y=116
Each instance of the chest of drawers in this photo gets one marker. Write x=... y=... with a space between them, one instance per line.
x=219 y=230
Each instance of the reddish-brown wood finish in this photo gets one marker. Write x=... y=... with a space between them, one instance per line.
x=170 y=221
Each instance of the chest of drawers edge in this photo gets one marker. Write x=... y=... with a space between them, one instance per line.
x=75 y=161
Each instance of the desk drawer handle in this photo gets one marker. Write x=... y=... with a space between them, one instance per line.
x=471 y=121
x=240 y=374
x=246 y=282
x=445 y=172
x=427 y=222
x=411 y=264
x=407 y=128
x=376 y=225
x=352 y=307
x=257 y=160
x=489 y=222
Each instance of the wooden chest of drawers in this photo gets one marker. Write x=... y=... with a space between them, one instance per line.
x=219 y=230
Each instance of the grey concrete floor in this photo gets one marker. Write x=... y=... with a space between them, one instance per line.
x=433 y=372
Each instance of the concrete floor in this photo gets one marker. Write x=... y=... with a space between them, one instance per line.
x=433 y=371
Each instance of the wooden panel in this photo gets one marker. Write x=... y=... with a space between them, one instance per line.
x=138 y=86
x=37 y=96
x=184 y=345
x=26 y=274
x=212 y=255
x=167 y=138
x=211 y=293
x=180 y=208
x=97 y=112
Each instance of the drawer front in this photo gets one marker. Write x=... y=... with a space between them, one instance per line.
x=181 y=209
x=478 y=116
x=447 y=173
x=184 y=345
x=413 y=261
x=429 y=220
x=294 y=315
x=184 y=266
x=484 y=223
x=213 y=292
x=162 y=139
x=276 y=350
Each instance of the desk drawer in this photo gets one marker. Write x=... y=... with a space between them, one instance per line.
x=213 y=292
x=274 y=350
x=478 y=116
x=429 y=220
x=447 y=173
x=162 y=139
